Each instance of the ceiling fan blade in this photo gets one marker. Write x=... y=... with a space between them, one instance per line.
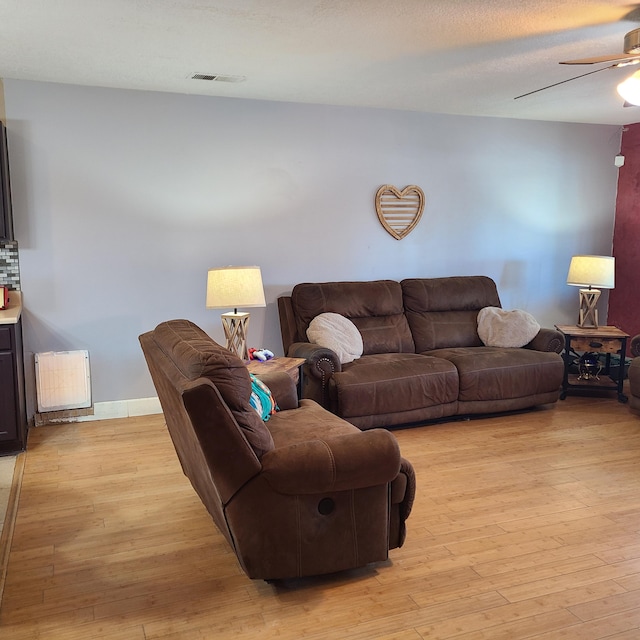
x=555 y=84
x=620 y=57
x=628 y=104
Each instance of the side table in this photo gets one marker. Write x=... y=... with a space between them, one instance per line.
x=603 y=340
x=291 y=366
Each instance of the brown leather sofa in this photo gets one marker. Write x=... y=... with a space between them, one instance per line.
x=634 y=374
x=304 y=493
x=423 y=358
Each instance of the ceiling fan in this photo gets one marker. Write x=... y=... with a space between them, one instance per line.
x=631 y=56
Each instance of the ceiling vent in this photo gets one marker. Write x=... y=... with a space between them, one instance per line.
x=217 y=77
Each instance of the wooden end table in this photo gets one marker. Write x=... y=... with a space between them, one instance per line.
x=291 y=366
x=603 y=340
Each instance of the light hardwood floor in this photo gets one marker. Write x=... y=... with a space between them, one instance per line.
x=524 y=526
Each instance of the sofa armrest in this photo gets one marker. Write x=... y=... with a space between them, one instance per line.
x=634 y=347
x=547 y=340
x=321 y=363
x=282 y=387
x=350 y=461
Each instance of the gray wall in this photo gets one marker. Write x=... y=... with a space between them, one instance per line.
x=124 y=199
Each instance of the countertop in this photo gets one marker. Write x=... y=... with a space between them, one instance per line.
x=11 y=314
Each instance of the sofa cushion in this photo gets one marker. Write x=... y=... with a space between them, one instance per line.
x=196 y=355
x=335 y=332
x=500 y=328
x=494 y=373
x=308 y=422
x=443 y=312
x=393 y=383
x=375 y=308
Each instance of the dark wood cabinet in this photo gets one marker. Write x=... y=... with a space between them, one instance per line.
x=13 y=414
x=13 y=418
x=6 y=215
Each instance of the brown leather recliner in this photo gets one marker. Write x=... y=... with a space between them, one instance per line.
x=304 y=493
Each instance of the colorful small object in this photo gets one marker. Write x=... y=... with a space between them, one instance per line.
x=260 y=354
x=261 y=398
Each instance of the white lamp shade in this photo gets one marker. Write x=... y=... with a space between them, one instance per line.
x=629 y=89
x=592 y=271
x=233 y=287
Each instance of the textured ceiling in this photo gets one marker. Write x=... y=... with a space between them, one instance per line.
x=444 y=56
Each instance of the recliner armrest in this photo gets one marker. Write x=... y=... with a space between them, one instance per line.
x=282 y=388
x=350 y=461
x=547 y=340
x=321 y=363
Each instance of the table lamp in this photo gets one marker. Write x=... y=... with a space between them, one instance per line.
x=235 y=287
x=592 y=273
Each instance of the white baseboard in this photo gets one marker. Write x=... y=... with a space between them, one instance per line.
x=123 y=409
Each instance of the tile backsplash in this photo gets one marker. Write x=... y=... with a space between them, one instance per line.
x=9 y=264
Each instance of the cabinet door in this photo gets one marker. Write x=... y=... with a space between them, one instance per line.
x=8 y=414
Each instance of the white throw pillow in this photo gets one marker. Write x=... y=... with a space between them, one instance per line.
x=500 y=328
x=335 y=332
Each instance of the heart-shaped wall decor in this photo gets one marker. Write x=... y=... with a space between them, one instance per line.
x=399 y=211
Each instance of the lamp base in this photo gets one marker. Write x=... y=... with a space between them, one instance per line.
x=235 y=327
x=588 y=316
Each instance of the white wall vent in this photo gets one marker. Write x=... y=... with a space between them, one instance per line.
x=217 y=77
x=63 y=380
